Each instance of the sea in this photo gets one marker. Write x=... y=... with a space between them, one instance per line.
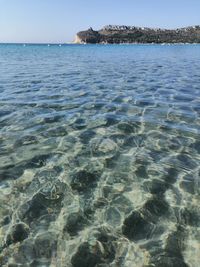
x=99 y=155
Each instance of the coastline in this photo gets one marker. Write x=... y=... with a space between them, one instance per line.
x=136 y=43
x=114 y=34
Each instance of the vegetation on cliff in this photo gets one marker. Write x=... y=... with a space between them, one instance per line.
x=126 y=34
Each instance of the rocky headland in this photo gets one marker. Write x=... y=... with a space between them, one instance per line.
x=113 y=34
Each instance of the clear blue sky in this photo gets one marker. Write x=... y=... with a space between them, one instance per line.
x=59 y=20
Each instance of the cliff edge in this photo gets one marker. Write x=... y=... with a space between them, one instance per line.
x=113 y=34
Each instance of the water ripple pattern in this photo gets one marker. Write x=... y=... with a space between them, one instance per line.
x=99 y=155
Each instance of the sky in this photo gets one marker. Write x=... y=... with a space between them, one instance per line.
x=57 y=21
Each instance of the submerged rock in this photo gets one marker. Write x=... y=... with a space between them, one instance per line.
x=94 y=253
x=18 y=233
x=6 y=220
x=165 y=260
x=37 y=161
x=190 y=217
x=169 y=253
x=86 y=136
x=52 y=119
x=33 y=209
x=108 y=241
x=156 y=206
x=39 y=206
x=176 y=242
x=171 y=176
x=75 y=222
x=26 y=140
x=25 y=255
x=104 y=147
x=111 y=119
x=128 y=127
x=55 y=132
x=11 y=172
x=196 y=146
x=141 y=172
x=136 y=227
x=83 y=181
x=45 y=246
x=79 y=124
x=190 y=184
x=88 y=255
x=156 y=187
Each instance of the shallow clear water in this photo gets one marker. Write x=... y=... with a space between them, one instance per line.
x=100 y=155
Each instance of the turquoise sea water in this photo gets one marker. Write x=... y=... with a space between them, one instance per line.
x=100 y=155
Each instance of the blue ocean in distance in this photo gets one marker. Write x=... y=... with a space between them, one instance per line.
x=99 y=155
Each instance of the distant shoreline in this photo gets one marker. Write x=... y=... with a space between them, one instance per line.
x=100 y=44
x=113 y=34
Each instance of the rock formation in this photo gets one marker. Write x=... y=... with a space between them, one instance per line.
x=113 y=34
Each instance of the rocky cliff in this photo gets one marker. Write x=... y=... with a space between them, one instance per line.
x=126 y=34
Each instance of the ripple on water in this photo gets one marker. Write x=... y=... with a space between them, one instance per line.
x=99 y=151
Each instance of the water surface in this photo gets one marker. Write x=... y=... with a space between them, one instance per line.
x=100 y=155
